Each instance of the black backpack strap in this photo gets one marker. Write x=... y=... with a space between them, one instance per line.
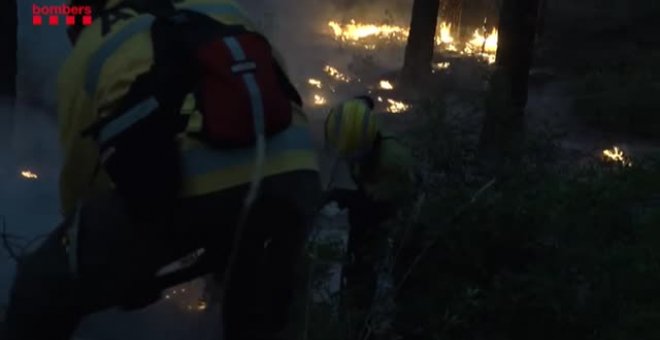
x=173 y=72
x=288 y=87
x=233 y=30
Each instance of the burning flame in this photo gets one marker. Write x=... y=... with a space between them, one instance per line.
x=396 y=106
x=485 y=46
x=445 y=33
x=319 y=100
x=29 y=174
x=616 y=155
x=482 y=44
x=386 y=85
x=445 y=38
x=334 y=73
x=315 y=82
x=357 y=31
x=487 y=43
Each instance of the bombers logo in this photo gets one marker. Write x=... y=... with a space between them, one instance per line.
x=72 y=15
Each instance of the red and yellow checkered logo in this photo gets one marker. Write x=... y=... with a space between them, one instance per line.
x=53 y=15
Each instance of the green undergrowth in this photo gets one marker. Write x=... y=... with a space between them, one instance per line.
x=542 y=248
x=550 y=250
x=622 y=98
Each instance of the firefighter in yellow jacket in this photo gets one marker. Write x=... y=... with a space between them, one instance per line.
x=382 y=168
x=103 y=256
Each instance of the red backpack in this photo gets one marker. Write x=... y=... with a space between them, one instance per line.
x=239 y=88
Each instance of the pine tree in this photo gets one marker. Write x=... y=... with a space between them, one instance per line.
x=8 y=66
x=421 y=41
x=507 y=98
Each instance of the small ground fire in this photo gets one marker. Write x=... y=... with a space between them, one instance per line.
x=616 y=155
x=29 y=174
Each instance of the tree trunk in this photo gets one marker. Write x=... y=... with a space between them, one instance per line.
x=540 y=22
x=421 y=41
x=505 y=104
x=8 y=32
x=8 y=66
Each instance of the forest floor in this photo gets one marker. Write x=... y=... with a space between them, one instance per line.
x=31 y=208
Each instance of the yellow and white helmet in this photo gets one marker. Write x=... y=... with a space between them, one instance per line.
x=350 y=128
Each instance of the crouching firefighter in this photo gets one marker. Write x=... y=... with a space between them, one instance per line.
x=382 y=169
x=181 y=133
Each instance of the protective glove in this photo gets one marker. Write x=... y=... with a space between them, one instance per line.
x=331 y=209
x=345 y=198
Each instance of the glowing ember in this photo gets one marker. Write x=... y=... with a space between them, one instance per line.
x=29 y=174
x=492 y=58
x=186 y=297
x=334 y=73
x=315 y=82
x=199 y=306
x=319 y=100
x=616 y=155
x=396 y=106
x=386 y=85
x=442 y=66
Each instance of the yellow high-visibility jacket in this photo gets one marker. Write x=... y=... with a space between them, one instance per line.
x=387 y=173
x=100 y=70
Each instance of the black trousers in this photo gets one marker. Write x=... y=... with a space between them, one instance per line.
x=367 y=240
x=119 y=253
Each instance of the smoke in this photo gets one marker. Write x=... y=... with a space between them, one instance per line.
x=299 y=29
x=31 y=132
x=30 y=127
x=29 y=137
x=41 y=51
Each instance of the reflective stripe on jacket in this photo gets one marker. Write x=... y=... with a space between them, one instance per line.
x=100 y=70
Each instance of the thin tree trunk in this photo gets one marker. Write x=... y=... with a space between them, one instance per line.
x=504 y=124
x=541 y=20
x=8 y=66
x=421 y=41
x=8 y=32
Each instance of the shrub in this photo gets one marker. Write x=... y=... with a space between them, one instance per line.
x=553 y=250
x=623 y=100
